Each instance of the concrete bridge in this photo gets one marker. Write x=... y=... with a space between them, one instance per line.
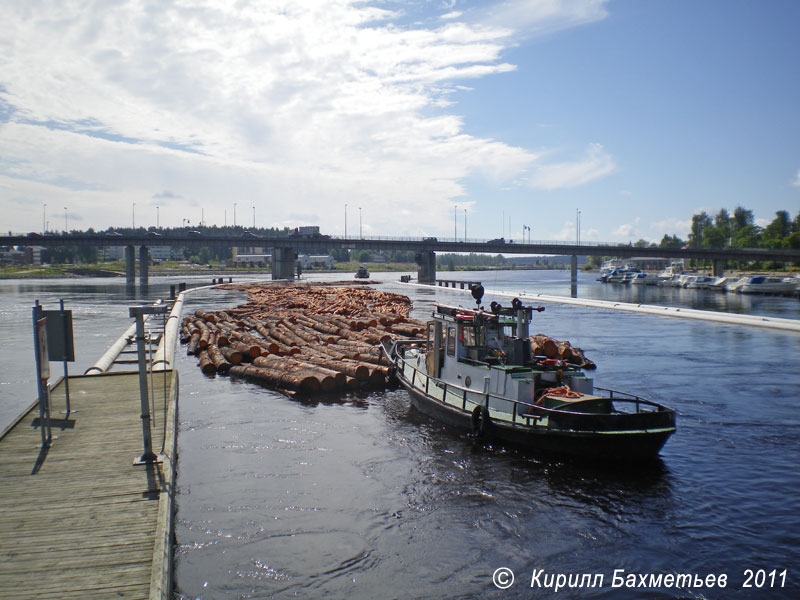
x=284 y=249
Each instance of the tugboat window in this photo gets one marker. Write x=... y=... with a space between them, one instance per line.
x=451 y=341
x=471 y=339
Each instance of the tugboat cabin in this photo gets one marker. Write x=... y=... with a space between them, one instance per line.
x=490 y=352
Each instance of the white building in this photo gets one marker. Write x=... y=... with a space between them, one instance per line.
x=309 y=261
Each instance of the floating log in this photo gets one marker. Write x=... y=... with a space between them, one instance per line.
x=204 y=335
x=327 y=380
x=206 y=316
x=220 y=362
x=193 y=343
x=358 y=370
x=309 y=385
x=247 y=351
x=408 y=330
x=206 y=364
x=232 y=356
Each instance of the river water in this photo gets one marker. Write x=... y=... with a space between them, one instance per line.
x=359 y=496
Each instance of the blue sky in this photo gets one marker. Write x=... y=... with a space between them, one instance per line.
x=637 y=113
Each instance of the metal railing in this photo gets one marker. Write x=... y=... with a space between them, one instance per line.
x=520 y=408
x=465 y=395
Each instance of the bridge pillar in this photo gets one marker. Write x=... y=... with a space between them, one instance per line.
x=426 y=266
x=283 y=260
x=719 y=266
x=130 y=265
x=573 y=276
x=144 y=265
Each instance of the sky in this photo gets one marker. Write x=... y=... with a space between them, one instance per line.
x=415 y=118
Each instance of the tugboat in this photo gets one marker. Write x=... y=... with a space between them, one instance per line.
x=477 y=371
x=362 y=273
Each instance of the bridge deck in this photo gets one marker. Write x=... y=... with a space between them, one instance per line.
x=80 y=521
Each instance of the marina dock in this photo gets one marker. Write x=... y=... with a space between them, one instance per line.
x=78 y=519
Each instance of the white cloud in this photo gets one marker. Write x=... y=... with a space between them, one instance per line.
x=672 y=226
x=567 y=233
x=796 y=182
x=628 y=230
x=295 y=109
x=596 y=163
x=537 y=17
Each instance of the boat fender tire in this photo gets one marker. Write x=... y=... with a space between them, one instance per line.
x=480 y=420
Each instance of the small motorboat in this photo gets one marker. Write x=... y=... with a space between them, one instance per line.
x=700 y=282
x=362 y=273
x=643 y=278
x=765 y=284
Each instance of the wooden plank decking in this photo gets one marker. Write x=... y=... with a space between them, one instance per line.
x=81 y=521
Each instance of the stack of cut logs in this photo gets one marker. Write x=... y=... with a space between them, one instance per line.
x=541 y=345
x=310 y=338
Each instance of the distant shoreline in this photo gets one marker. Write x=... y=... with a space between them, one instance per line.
x=95 y=272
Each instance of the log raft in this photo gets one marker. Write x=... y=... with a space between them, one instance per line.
x=308 y=338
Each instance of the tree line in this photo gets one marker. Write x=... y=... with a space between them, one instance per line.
x=738 y=230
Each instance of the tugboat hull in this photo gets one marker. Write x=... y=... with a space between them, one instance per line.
x=622 y=446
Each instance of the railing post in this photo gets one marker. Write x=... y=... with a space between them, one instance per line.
x=138 y=312
x=66 y=369
x=42 y=373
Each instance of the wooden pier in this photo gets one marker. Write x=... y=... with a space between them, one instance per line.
x=79 y=519
x=456 y=283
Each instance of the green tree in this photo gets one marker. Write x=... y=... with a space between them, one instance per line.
x=341 y=254
x=778 y=230
x=699 y=224
x=747 y=237
x=742 y=218
x=87 y=254
x=723 y=226
x=671 y=241
x=715 y=237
